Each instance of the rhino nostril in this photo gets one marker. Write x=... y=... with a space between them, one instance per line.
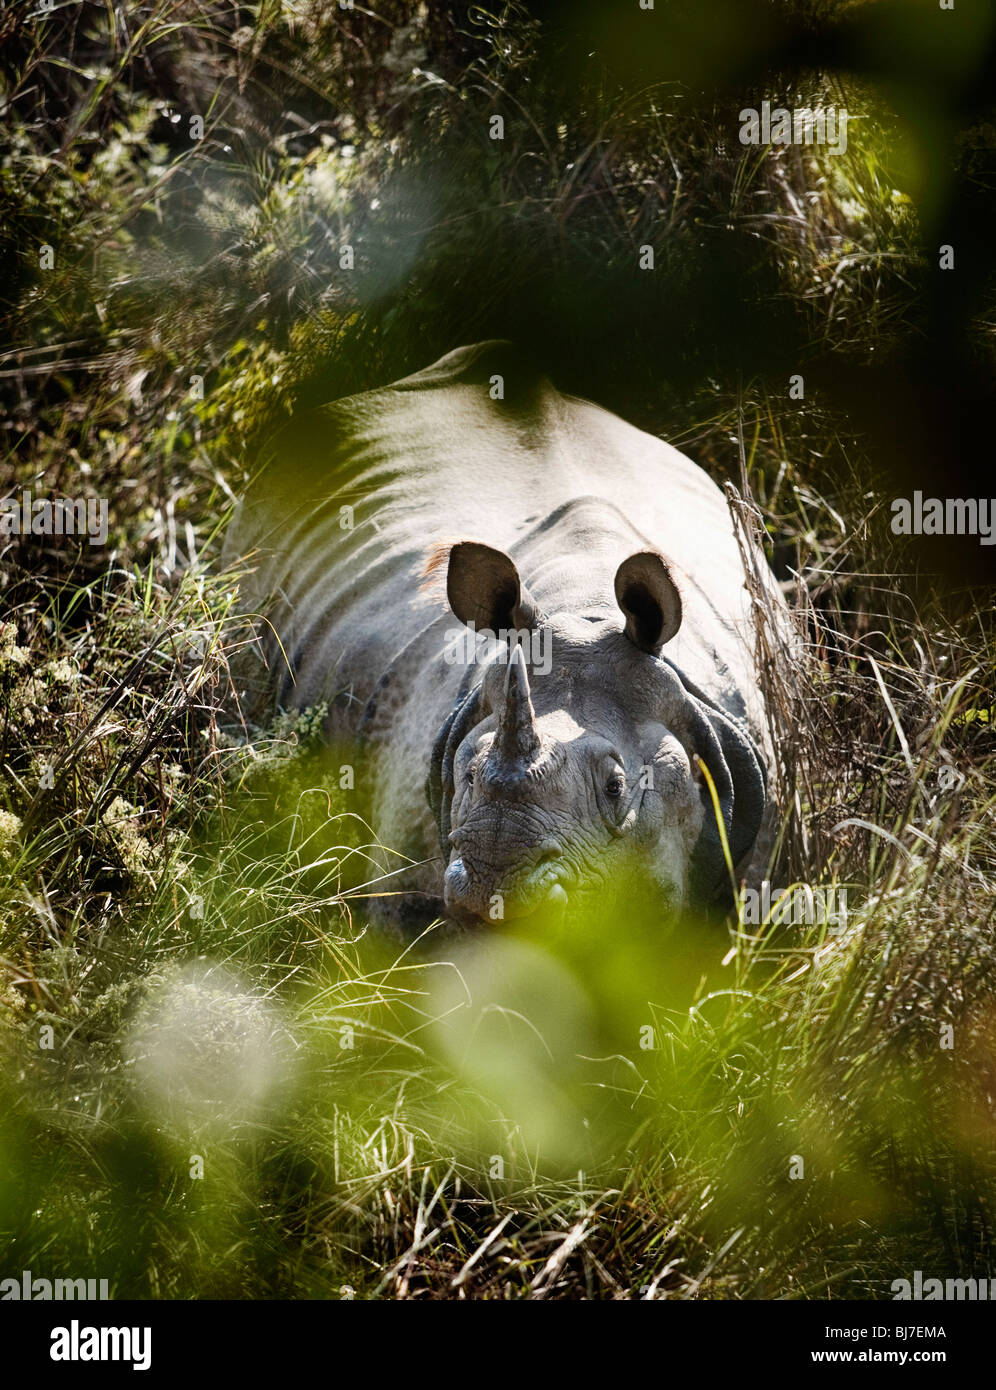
x=548 y=854
x=456 y=880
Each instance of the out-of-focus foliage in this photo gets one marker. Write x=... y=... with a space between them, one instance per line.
x=188 y=980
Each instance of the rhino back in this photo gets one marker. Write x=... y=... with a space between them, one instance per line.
x=564 y=486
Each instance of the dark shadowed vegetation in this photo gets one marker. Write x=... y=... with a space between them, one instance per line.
x=253 y=209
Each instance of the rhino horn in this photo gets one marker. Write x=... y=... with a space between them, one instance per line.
x=516 y=740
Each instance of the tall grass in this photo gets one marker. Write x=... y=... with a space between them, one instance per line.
x=217 y=1079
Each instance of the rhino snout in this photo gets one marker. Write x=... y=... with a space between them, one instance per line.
x=471 y=896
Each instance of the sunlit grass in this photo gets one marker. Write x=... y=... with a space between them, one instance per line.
x=219 y=1079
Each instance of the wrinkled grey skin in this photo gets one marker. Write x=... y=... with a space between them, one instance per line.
x=512 y=786
x=548 y=802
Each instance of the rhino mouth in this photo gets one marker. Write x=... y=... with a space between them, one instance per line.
x=469 y=897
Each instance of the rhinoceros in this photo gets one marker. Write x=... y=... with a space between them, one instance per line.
x=531 y=620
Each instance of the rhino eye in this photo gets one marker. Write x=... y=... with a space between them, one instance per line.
x=615 y=786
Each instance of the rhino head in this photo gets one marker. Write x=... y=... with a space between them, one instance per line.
x=584 y=779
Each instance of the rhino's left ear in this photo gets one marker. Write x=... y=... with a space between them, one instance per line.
x=647 y=595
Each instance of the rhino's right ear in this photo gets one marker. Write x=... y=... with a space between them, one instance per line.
x=647 y=595
x=483 y=587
